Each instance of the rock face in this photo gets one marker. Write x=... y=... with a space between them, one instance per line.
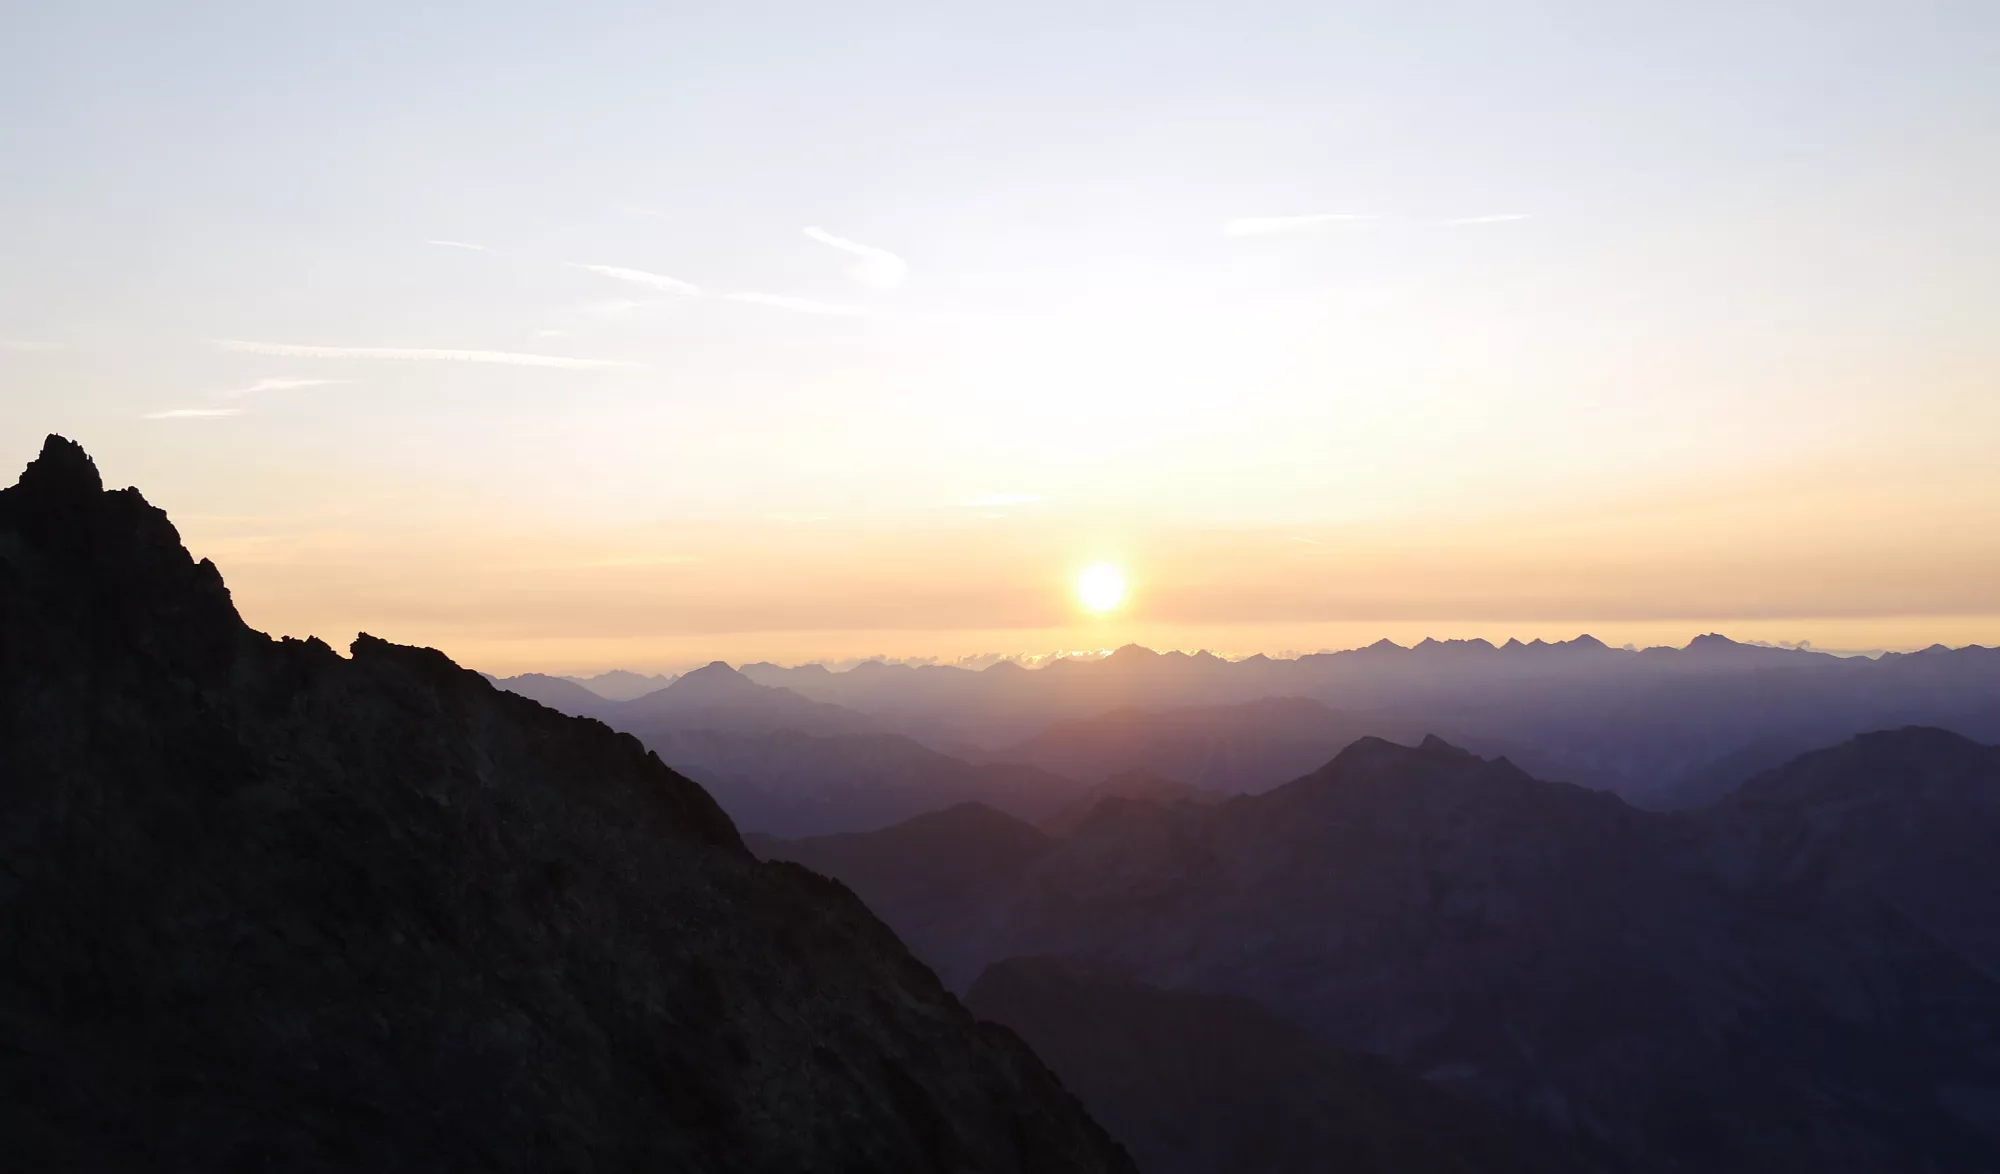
x=1796 y=982
x=265 y=907
x=1208 y=1084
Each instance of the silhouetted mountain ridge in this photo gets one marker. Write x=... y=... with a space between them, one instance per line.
x=264 y=907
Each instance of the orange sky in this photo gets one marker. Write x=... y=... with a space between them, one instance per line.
x=1901 y=558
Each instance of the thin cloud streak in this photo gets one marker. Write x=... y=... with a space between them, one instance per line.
x=878 y=269
x=419 y=354
x=1274 y=225
x=989 y=500
x=1497 y=218
x=444 y=244
x=641 y=277
x=616 y=307
x=23 y=344
x=264 y=385
x=802 y=305
x=193 y=413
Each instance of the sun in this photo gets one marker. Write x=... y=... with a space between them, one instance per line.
x=1101 y=588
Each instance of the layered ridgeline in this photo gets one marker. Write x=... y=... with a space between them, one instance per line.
x=266 y=907
x=1665 y=727
x=1803 y=977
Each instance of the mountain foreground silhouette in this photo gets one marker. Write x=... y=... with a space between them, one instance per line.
x=266 y=907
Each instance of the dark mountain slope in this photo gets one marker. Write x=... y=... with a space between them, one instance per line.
x=942 y=879
x=1138 y=784
x=262 y=907
x=1208 y=1084
x=1547 y=948
x=1905 y=820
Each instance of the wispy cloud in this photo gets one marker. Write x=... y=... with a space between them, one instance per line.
x=1273 y=225
x=1496 y=218
x=507 y=358
x=264 y=385
x=641 y=277
x=877 y=269
x=193 y=413
x=617 y=307
x=24 y=344
x=802 y=305
x=990 y=500
x=444 y=244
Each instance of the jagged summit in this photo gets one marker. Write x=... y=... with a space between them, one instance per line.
x=62 y=468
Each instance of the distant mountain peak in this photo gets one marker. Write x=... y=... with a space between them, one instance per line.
x=1432 y=744
x=715 y=678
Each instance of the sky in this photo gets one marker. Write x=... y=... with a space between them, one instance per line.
x=569 y=337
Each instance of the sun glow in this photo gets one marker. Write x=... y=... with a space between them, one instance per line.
x=1101 y=588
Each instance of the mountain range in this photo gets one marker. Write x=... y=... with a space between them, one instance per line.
x=1666 y=728
x=263 y=906
x=1800 y=977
